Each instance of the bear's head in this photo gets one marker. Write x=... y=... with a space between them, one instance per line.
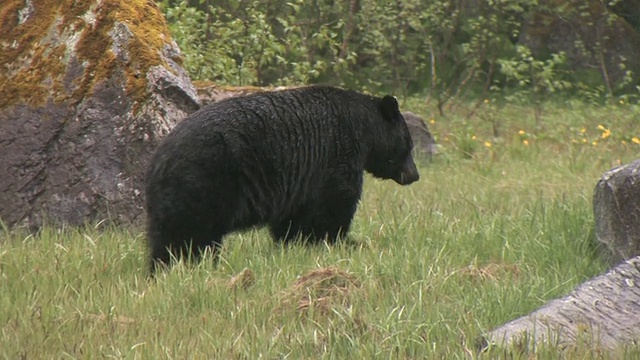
x=390 y=155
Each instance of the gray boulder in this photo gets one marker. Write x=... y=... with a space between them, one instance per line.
x=84 y=99
x=605 y=311
x=616 y=206
x=424 y=144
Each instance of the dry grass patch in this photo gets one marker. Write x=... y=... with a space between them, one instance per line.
x=242 y=280
x=491 y=271
x=320 y=290
x=115 y=319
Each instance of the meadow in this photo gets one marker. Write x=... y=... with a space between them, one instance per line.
x=500 y=222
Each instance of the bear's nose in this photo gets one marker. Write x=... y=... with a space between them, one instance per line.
x=408 y=173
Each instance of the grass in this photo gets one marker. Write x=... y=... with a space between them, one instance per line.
x=496 y=227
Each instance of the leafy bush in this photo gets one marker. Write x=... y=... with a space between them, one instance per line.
x=445 y=50
x=252 y=46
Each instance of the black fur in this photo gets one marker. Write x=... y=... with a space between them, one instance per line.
x=292 y=160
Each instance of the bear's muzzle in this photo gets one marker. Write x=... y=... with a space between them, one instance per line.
x=408 y=172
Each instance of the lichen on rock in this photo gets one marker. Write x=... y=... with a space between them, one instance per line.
x=87 y=87
x=38 y=43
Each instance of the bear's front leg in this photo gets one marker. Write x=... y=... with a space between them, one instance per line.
x=183 y=243
x=332 y=218
x=327 y=219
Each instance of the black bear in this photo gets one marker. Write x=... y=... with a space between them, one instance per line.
x=291 y=159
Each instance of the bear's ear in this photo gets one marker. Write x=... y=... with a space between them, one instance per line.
x=390 y=108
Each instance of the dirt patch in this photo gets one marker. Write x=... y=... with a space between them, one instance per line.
x=492 y=271
x=243 y=280
x=321 y=290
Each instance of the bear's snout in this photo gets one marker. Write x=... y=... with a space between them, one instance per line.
x=408 y=173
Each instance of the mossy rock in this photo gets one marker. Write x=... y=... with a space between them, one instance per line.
x=87 y=88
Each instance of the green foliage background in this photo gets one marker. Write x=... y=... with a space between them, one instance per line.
x=443 y=49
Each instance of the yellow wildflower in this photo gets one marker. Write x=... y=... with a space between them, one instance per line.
x=486 y=101
x=635 y=140
x=606 y=134
x=473 y=137
x=525 y=142
x=601 y=127
x=521 y=132
x=487 y=144
x=594 y=143
x=432 y=121
x=583 y=130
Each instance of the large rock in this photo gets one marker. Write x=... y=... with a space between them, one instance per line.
x=424 y=144
x=603 y=312
x=616 y=206
x=87 y=88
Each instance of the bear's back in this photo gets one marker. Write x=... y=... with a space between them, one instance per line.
x=313 y=122
x=324 y=106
